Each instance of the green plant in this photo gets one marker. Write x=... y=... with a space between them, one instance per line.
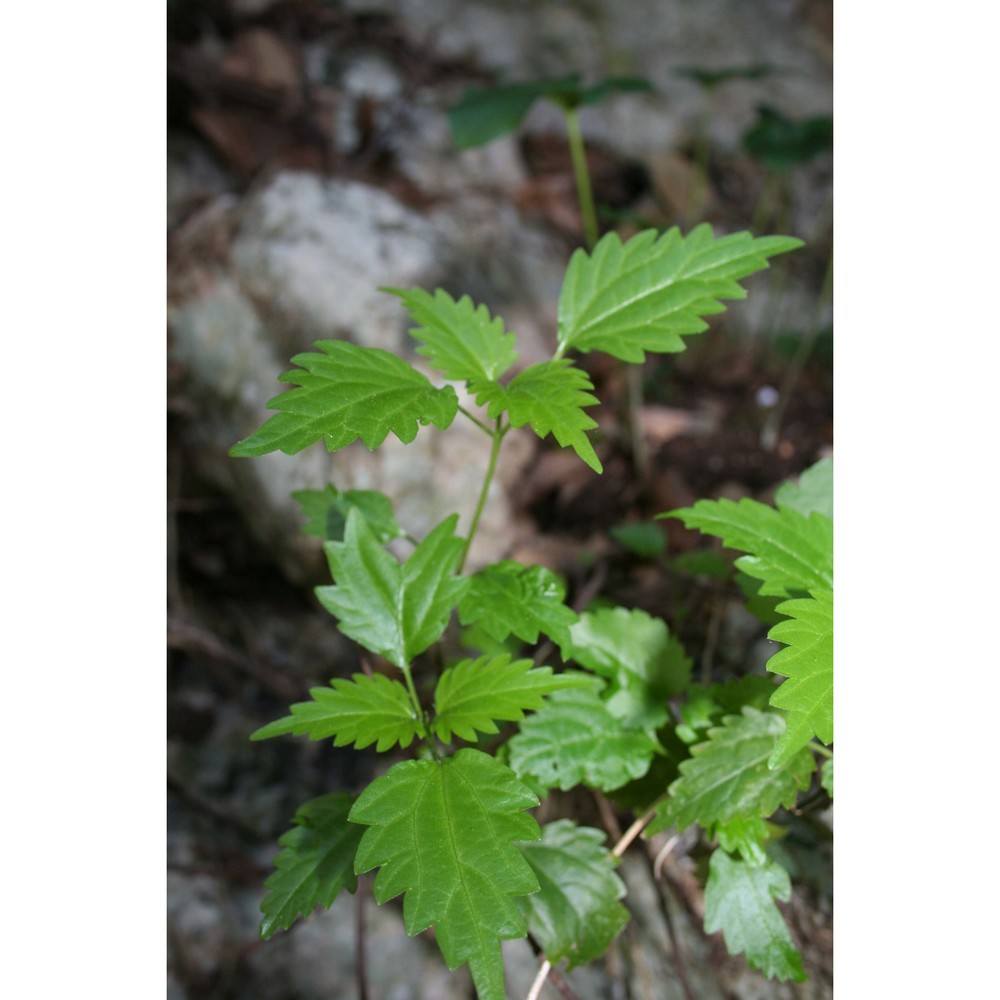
x=710 y=81
x=617 y=711
x=486 y=113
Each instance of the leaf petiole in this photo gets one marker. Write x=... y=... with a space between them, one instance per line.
x=483 y=427
x=498 y=435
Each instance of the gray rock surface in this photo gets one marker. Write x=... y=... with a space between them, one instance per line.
x=314 y=252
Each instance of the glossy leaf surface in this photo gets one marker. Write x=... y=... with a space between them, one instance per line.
x=474 y=695
x=550 y=397
x=362 y=711
x=445 y=835
x=395 y=610
x=315 y=863
x=807 y=663
x=813 y=493
x=650 y=292
x=459 y=339
x=507 y=597
x=739 y=901
x=728 y=775
x=576 y=914
x=575 y=739
x=637 y=654
x=787 y=551
x=345 y=392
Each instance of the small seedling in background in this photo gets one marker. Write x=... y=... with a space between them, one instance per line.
x=710 y=80
x=781 y=145
x=486 y=113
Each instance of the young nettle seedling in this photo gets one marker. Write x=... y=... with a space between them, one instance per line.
x=486 y=113
x=710 y=81
x=451 y=830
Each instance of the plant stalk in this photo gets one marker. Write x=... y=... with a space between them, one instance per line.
x=476 y=420
x=582 y=176
x=414 y=700
x=498 y=436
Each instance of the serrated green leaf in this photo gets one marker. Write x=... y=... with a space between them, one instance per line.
x=576 y=914
x=362 y=711
x=550 y=396
x=506 y=598
x=786 y=550
x=445 y=834
x=460 y=340
x=474 y=695
x=807 y=662
x=739 y=901
x=346 y=392
x=316 y=862
x=762 y=607
x=394 y=610
x=746 y=836
x=575 y=739
x=327 y=511
x=813 y=493
x=728 y=775
x=637 y=654
x=647 y=294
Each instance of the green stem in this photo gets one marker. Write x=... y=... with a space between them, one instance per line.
x=483 y=427
x=640 y=453
x=822 y=750
x=698 y=187
x=582 y=176
x=498 y=436
x=415 y=701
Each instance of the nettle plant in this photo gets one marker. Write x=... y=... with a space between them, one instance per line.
x=494 y=722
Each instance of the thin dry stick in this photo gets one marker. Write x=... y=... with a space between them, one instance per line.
x=632 y=832
x=679 y=966
x=536 y=987
x=661 y=858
